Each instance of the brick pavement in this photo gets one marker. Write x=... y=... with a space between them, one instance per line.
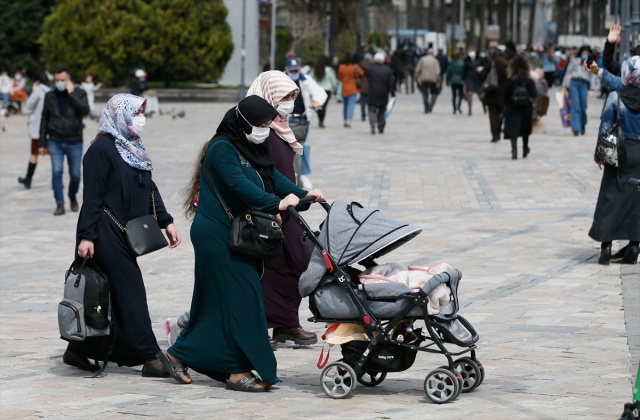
x=555 y=340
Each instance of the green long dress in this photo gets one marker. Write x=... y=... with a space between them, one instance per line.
x=227 y=331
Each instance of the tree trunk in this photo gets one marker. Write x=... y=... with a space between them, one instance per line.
x=532 y=22
x=335 y=27
x=502 y=20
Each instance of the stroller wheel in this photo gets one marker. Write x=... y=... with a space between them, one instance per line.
x=441 y=386
x=470 y=372
x=372 y=378
x=481 y=371
x=338 y=380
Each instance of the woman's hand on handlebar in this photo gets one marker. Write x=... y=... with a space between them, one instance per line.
x=290 y=200
x=317 y=194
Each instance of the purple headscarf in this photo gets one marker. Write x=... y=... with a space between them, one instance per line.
x=630 y=71
x=117 y=119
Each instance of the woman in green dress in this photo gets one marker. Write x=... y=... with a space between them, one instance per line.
x=226 y=337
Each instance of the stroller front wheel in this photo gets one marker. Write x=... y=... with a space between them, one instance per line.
x=338 y=380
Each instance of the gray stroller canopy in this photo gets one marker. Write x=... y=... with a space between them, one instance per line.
x=351 y=234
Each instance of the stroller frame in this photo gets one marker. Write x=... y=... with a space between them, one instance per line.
x=467 y=380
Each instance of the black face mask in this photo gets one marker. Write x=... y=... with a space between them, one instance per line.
x=636 y=50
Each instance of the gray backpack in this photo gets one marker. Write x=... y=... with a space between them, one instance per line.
x=85 y=310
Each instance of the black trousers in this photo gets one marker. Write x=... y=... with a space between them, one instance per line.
x=376 y=116
x=495 y=120
x=322 y=112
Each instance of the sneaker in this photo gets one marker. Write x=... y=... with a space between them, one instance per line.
x=172 y=329
x=306 y=182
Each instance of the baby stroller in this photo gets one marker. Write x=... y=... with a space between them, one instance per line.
x=388 y=313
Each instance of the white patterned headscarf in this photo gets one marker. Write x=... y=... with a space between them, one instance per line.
x=630 y=71
x=117 y=119
x=272 y=86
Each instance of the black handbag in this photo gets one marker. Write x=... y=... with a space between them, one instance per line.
x=611 y=148
x=300 y=128
x=253 y=233
x=143 y=233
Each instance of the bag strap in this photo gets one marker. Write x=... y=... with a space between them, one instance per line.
x=617 y=122
x=122 y=228
x=355 y=71
x=215 y=189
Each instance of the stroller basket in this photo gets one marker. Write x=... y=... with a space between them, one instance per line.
x=385 y=357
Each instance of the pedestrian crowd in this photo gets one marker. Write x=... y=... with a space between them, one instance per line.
x=259 y=160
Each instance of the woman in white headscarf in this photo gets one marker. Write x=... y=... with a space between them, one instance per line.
x=617 y=214
x=117 y=176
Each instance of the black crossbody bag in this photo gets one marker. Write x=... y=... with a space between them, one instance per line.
x=253 y=233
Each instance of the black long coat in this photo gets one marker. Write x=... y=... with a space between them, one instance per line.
x=517 y=120
x=495 y=95
x=109 y=181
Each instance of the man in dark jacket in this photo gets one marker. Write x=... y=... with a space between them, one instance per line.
x=381 y=85
x=62 y=126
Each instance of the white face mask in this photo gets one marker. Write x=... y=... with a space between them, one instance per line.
x=61 y=86
x=472 y=55
x=138 y=124
x=258 y=134
x=285 y=108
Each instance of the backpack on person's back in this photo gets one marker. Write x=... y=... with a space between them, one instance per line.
x=520 y=97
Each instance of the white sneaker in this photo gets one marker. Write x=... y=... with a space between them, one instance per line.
x=306 y=182
x=172 y=329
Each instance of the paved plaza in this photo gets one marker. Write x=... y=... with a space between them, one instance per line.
x=559 y=334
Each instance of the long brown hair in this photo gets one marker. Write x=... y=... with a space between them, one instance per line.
x=518 y=68
x=191 y=191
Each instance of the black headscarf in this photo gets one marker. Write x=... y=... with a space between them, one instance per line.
x=234 y=128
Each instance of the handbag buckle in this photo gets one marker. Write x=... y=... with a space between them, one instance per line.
x=248 y=217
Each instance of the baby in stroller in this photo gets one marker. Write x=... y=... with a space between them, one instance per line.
x=399 y=310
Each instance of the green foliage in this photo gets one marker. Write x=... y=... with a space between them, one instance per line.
x=379 y=39
x=173 y=40
x=345 y=44
x=20 y=27
x=187 y=40
x=283 y=40
x=313 y=48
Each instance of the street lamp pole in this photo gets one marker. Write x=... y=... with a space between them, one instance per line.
x=363 y=27
x=635 y=20
x=243 y=53
x=273 y=34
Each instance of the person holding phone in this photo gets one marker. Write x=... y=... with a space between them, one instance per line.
x=578 y=82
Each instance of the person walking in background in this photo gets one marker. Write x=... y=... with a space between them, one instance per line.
x=364 y=64
x=617 y=213
x=117 y=176
x=349 y=74
x=310 y=98
x=577 y=81
x=428 y=76
x=519 y=91
x=455 y=70
x=493 y=94
x=541 y=103
x=226 y=337
x=90 y=88
x=398 y=66
x=139 y=83
x=472 y=77
x=411 y=58
x=549 y=63
x=326 y=78
x=5 y=87
x=34 y=105
x=381 y=85
x=443 y=60
x=61 y=131
x=18 y=93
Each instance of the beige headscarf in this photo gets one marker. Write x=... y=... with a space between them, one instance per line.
x=273 y=85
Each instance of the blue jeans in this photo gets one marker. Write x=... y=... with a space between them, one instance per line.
x=57 y=150
x=305 y=159
x=578 y=94
x=349 y=106
x=363 y=105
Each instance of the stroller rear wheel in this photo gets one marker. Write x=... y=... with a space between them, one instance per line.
x=441 y=386
x=372 y=378
x=470 y=372
x=338 y=380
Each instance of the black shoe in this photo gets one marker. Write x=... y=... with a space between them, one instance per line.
x=151 y=371
x=514 y=155
x=72 y=359
x=582 y=132
x=59 y=210
x=575 y=133
x=25 y=181
x=495 y=140
x=74 y=202
x=605 y=255
x=617 y=257
x=525 y=152
x=631 y=256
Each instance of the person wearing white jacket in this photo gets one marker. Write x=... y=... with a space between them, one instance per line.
x=34 y=105
x=311 y=98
